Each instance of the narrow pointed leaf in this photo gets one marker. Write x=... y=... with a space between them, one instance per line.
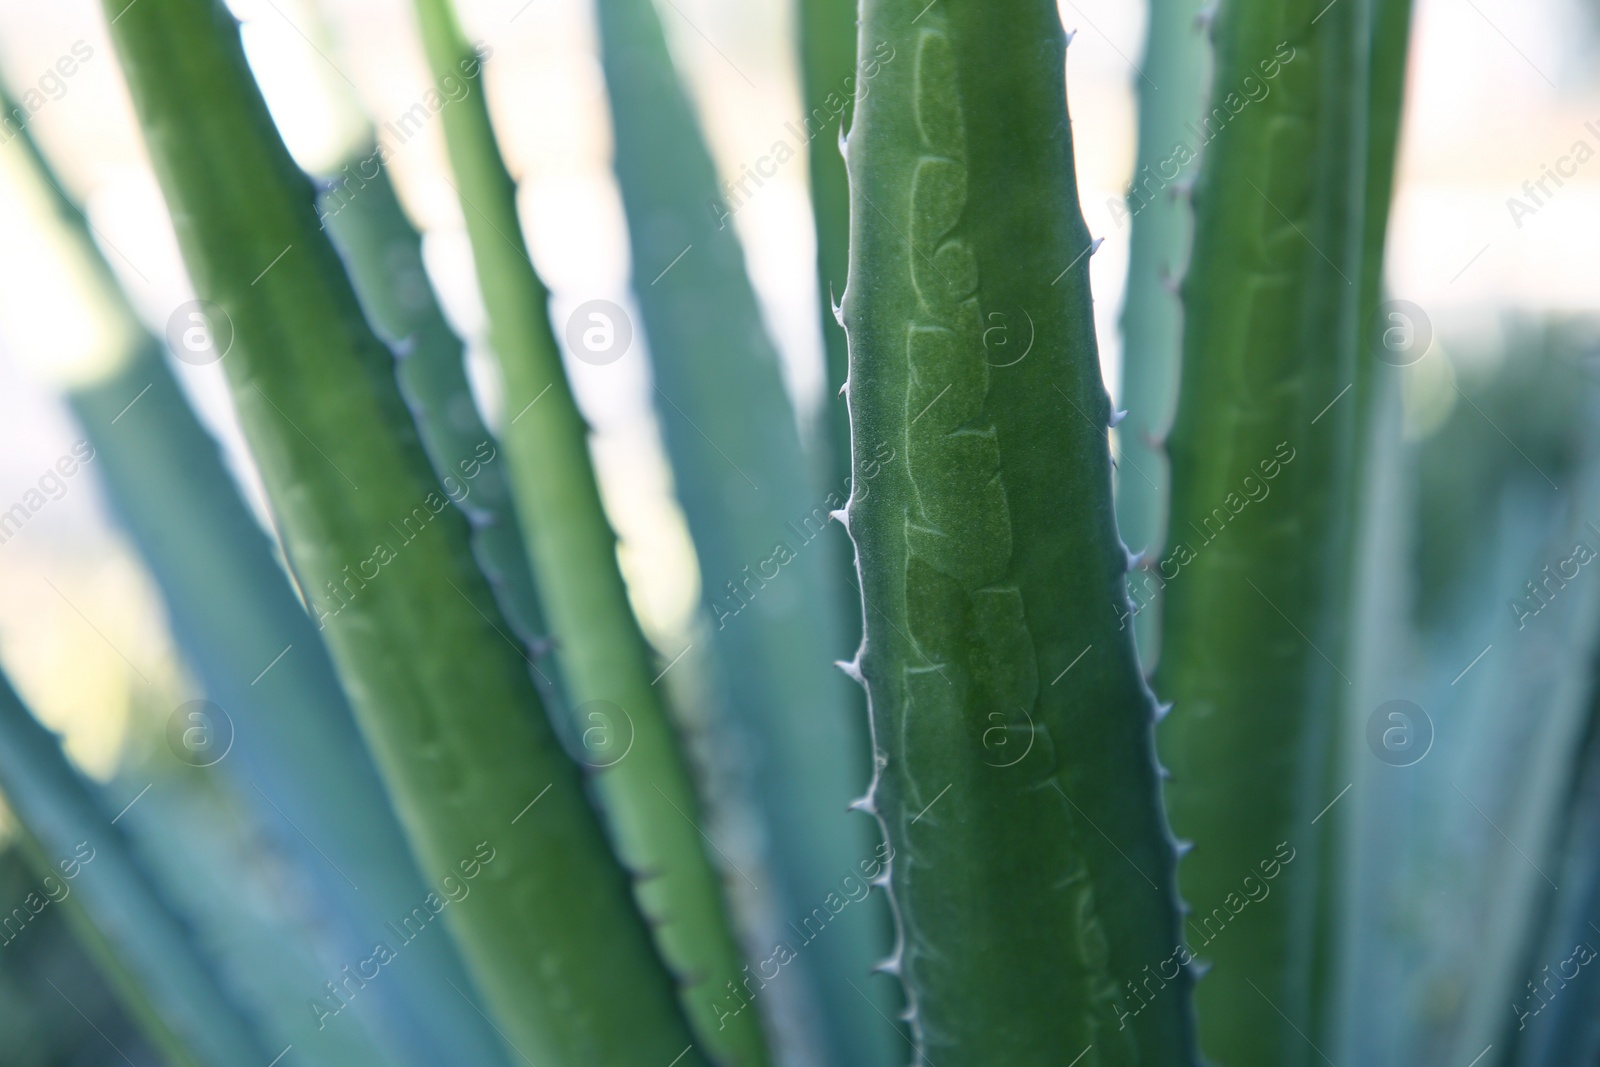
x=830 y=79
x=643 y=779
x=1172 y=93
x=770 y=557
x=85 y=863
x=1262 y=453
x=1032 y=873
x=1551 y=1031
x=1376 y=397
x=290 y=727
x=552 y=941
x=383 y=254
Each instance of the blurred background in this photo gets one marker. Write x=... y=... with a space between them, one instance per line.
x=1499 y=90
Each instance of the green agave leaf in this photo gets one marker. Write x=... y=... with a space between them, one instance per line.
x=442 y=694
x=1391 y=41
x=1171 y=86
x=830 y=80
x=1375 y=827
x=643 y=779
x=770 y=573
x=43 y=1025
x=1032 y=873
x=1509 y=685
x=1376 y=630
x=1489 y=811
x=223 y=871
x=1262 y=454
x=383 y=253
x=1522 y=786
x=86 y=866
x=1554 y=1021
x=299 y=757
x=1398 y=325
x=1552 y=986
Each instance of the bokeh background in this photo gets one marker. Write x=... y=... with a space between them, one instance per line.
x=1498 y=90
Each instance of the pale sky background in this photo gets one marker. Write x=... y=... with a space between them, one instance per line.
x=1498 y=88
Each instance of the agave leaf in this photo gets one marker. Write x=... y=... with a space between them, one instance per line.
x=43 y=1025
x=1534 y=702
x=1376 y=824
x=1171 y=99
x=1489 y=809
x=1391 y=41
x=830 y=74
x=1386 y=350
x=643 y=782
x=1010 y=717
x=1509 y=684
x=1557 y=1026
x=549 y=934
x=1436 y=935
x=1377 y=630
x=1262 y=456
x=247 y=906
x=383 y=253
x=85 y=864
x=765 y=545
x=298 y=757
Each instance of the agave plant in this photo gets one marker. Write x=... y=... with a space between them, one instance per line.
x=1116 y=670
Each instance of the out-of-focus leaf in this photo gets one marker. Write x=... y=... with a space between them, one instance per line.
x=769 y=555
x=85 y=866
x=487 y=797
x=277 y=712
